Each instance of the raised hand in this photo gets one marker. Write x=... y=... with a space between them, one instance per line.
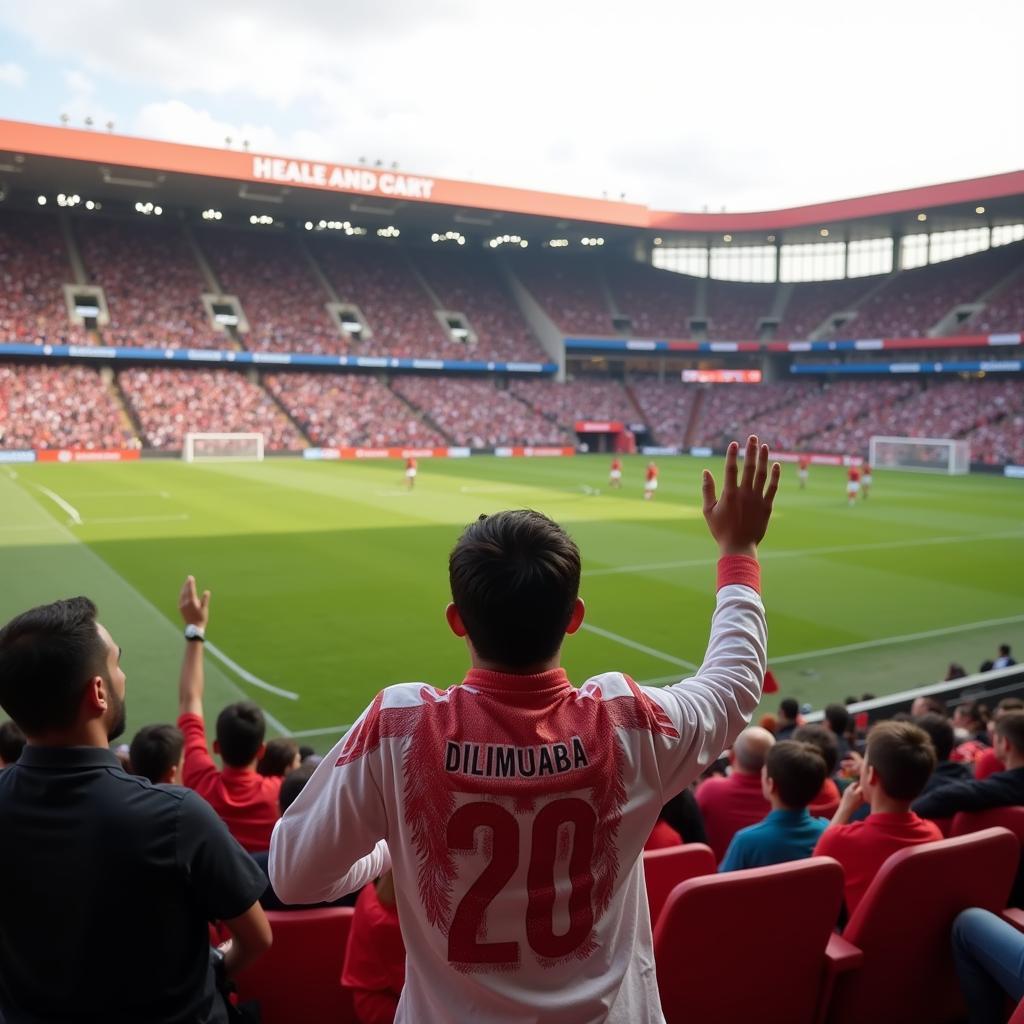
x=194 y=610
x=739 y=518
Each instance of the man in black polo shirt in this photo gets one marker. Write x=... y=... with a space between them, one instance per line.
x=106 y=881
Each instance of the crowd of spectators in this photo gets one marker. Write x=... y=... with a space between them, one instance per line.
x=479 y=414
x=569 y=288
x=734 y=309
x=725 y=409
x=60 y=407
x=349 y=409
x=666 y=407
x=997 y=435
x=172 y=403
x=152 y=283
x=914 y=301
x=283 y=301
x=397 y=310
x=659 y=303
x=34 y=268
x=810 y=303
x=579 y=398
x=1004 y=312
x=464 y=283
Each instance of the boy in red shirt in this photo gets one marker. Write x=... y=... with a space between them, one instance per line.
x=898 y=761
x=375 y=957
x=852 y=485
x=615 y=475
x=245 y=800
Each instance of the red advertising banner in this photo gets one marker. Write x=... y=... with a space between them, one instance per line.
x=87 y=455
x=599 y=427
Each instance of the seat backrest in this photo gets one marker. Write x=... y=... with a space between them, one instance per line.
x=903 y=926
x=1012 y=818
x=299 y=978
x=665 y=869
x=748 y=945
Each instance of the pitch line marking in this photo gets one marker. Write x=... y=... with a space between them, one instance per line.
x=65 y=505
x=247 y=675
x=643 y=648
x=337 y=730
x=139 y=519
x=143 y=600
x=884 y=545
x=867 y=644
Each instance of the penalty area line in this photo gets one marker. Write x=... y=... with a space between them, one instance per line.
x=60 y=502
x=643 y=648
x=245 y=674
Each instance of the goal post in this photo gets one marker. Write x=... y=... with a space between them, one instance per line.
x=921 y=454
x=221 y=447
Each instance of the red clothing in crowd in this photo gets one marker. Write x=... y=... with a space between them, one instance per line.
x=864 y=846
x=662 y=836
x=374 y=960
x=246 y=801
x=729 y=804
x=828 y=797
x=988 y=764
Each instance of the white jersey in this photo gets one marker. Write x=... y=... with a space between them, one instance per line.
x=513 y=810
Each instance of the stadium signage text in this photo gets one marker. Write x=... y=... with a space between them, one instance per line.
x=344 y=179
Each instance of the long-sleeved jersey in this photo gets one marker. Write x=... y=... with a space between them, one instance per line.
x=513 y=811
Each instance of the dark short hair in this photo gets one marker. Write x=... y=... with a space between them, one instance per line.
x=293 y=784
x=306 y=751
x=824 y=739
x=1004 y=649
x=12 y=742
x=155 y=750
x=934 y=706
x=798 y=771
x=240 y=731
x=940 y=732
x=515 y=577
x=903 y=757
x=789 y=708
x=974 y=710
x=278 y=756
x=1009 y=704
x=838 y=718
x=1011 y=727
x=47 y=657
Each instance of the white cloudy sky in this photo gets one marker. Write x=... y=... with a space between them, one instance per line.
x=746 y=104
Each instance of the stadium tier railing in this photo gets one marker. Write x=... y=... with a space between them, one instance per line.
x=988 y=687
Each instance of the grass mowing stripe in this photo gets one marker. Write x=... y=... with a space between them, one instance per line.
x=643 y=648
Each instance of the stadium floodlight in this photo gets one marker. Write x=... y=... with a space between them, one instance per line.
x=389 y=232
x=726 y=238
x=823 y=232
x=922 y=217
x=309 y=225
x=212 y=214
x=979 y=209
x=41 y=200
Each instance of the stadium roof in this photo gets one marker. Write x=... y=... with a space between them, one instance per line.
x=107 y=166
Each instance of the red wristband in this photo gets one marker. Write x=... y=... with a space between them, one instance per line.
x=741 y=569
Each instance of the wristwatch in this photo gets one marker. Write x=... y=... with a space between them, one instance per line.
x=194 y=632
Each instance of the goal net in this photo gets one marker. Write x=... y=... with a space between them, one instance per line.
x=207 y=447
x=924 y=454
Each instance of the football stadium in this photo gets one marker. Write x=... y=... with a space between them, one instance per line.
x=299 y=381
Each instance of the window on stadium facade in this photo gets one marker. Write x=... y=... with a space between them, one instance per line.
x=1004 y=234
x=743 y=263
x=869 y=256
x=813 y=261
x=681 y=259
x=913 y=251
x=949 y=245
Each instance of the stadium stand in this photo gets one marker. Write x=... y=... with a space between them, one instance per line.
x=477 y=413
x=346 y=409
x=735 y=308
x=810 y=304
x=33 y=270
x=172 y=403
x=912 y=302
x=659 y=303
x=152 y=284
x=582 y=398
x=468 y=284
x=280 y=295
x=1001 y=439
x=1004 y=312
x=569 y=288
x=380 y=281
x=60 y=407
x=727 y=408
x=666 y=407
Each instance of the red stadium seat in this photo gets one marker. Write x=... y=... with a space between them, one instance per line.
x=665 y=869
x=903 y=925
x=299 y=979
x=1012 y=818
x=1018 y=1014
x=749 y=945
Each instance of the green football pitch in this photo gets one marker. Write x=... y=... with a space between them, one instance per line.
x=329 y=580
